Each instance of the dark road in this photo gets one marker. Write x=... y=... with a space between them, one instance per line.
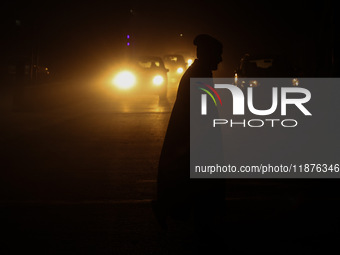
x=79 y=169
x=75 y=172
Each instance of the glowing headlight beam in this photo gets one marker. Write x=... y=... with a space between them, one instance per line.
x=124 y=80
x=158 y=80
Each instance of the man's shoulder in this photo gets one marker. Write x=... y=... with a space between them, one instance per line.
x=197 y=71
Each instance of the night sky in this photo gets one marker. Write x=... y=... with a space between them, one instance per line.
x=84 y=35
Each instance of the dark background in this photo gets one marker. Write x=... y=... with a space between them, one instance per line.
x=73 y=38
x=79 y=160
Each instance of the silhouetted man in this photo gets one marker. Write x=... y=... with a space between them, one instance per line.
x=178 y=196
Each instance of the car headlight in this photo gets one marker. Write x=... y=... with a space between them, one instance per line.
x=189 y=62
x=158 y=80
x=180 y=70
x=124 y=80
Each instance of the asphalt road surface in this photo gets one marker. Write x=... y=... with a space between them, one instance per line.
x=78 y=170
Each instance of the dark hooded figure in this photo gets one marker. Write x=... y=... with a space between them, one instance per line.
x=178 y=195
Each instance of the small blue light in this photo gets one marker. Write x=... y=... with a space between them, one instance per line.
x=128 y=44
x=128 y=36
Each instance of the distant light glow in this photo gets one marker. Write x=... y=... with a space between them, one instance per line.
x=128 y=36
x=295 y=82
x=128 y=44
x=253 y=83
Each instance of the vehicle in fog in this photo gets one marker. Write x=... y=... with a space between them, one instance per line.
x=176 y=65
x=263 y=66
x=21 y=70
x=145 y=74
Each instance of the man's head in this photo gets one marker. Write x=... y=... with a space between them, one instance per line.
x=209 y=50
